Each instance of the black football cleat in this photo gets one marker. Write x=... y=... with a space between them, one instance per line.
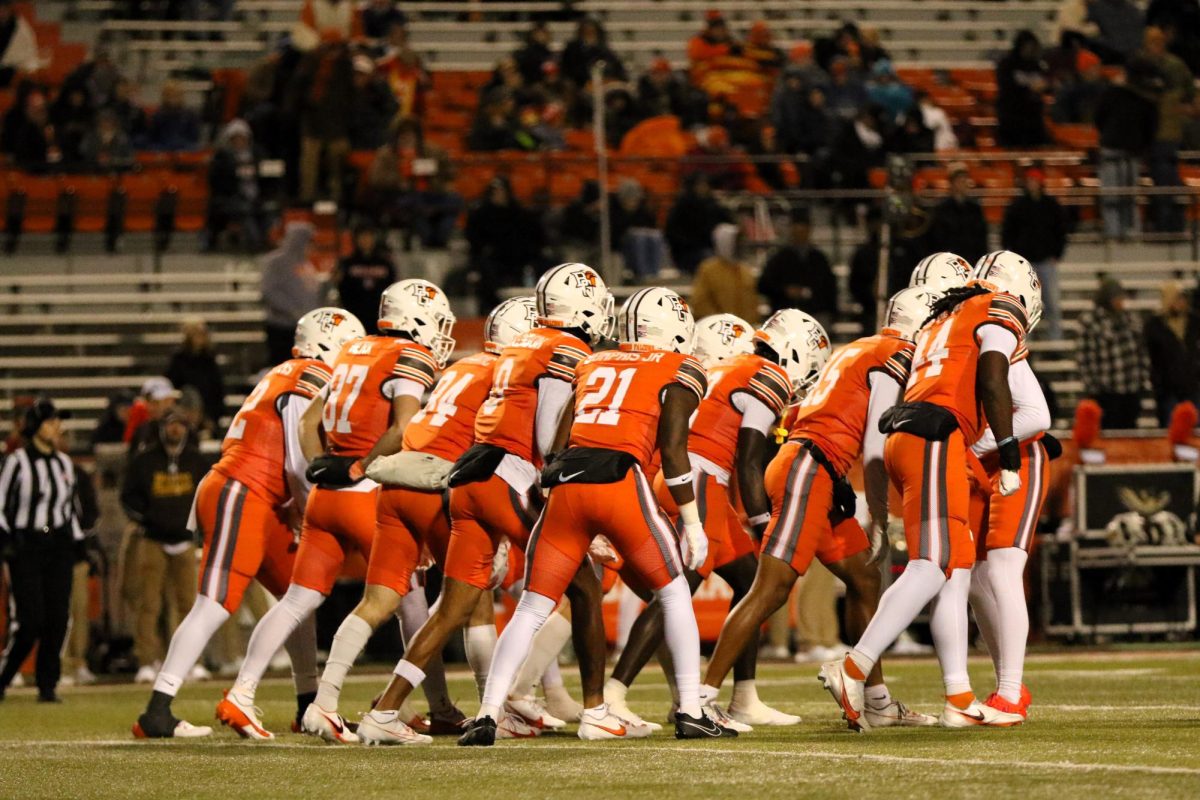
x=700 y=728
x=480 y=733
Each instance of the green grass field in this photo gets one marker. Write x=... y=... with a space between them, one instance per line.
x=1103 y=725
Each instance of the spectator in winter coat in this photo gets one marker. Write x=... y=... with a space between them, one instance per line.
x=233 y=188
x=958 y=223
x=505 y=238
x=322 y=94
x=723 y=283
x=291 y=287
x=1127 y=120
x=534 y=53
x=1112 y=357
x=362 y=276
x=1173 y=345
x=589 y=46
x=691 y=221
x=375 y=107
x=174 y=126
x=195 y=364
x=886 y=90
x=798 y=275
x=1035 y=227
x=1021 y=79
x=799 y=114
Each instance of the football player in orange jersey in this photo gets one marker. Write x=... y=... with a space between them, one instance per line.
x=1004 y=526
x=959 y=375
x=494 y=485
x=375 y=389
x=629 y=403
x=243 y=506
x=746 y=396
x=412 y=515
x=940 y=272
x=812 y=504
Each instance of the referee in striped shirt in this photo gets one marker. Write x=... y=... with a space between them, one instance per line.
x=40 y=537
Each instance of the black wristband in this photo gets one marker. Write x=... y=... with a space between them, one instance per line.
x=1010 y=453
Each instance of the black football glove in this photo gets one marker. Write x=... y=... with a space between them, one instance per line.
x=1053 y=446
x=335 y=471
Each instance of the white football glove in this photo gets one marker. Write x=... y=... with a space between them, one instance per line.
x=499 y=564
x=881 y=544
x=695 y=545
x=1010 y=482
x=602 y=551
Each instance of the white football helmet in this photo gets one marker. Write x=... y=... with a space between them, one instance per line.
x=722 y=336
x=574 y=296
x=908 y=309
x=1005 y=271
x=321 y=333
x=659 y=318
x=941 y=271
x=507 y=321
x=420 y=310
x=800 y=342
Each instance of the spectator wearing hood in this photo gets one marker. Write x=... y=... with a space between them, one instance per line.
x=1173 y=345
x=195 y=365
x=1112 y=357
x=234 y=196
x=173 y=127
x=291 y=287
x=589 y=46
x=798 y=275
x=724 y=284
x=958 y=224
x=505 y=238
x=691 y=221
x=886 y=91
x=1021 y=77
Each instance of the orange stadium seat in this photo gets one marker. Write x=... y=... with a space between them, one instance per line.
x=141 y=191
x=41 y=194
x=191 y=201
x=90 y=196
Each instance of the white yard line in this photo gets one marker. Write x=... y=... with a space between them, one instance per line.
x=731 y=751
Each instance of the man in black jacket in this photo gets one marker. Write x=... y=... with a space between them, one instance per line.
x=363 y=275
x=691 y=222
x=1035 y=227
x=958 y=224
x=1127 y=120
x=159 y=486
x=798 y=275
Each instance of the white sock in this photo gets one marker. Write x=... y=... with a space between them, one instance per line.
x=983 y=603
x=1008 y=587
x=413 y=612
x=683 y=639
x=480 y=643
x=628 y=609
x=745 y=694
x=948 y=624
x=547 y=644
x=188 y=643
x=615 y=692
x=899 y=606
x=271 y=632
x=552 y=675
x=532 y=612
x=878 y=696
x=348 y=643
x=302 y=650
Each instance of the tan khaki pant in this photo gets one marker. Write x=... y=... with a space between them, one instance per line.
x=78 y=634
x=165 y=582
x=815 y=601
x=311 y=152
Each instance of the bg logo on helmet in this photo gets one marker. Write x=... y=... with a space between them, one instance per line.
x=585 y=280
x=729 y=331
x=680 y=308
x=424 y=295
x=330 y=320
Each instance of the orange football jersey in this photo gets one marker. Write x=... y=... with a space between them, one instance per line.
x=618 y=398
x=715 y=425
x=358 y=408
x=834 y=413
x=947 y=356
x=253 y=449
x=506 y=418
x=445 y=427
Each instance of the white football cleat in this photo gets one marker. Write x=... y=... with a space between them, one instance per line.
x=626 y=713
x=600 y=723
x=386 y=728
x=760 y=714
x=328 y=725
x=977 y=715
x=242 y=716
x=84 y=676
x=512 y=726
x=847 y=692
x=897 y=715
x=146 y=674
x=560 y=704
x=718 y=715
x=199 y=673
x=533 y=711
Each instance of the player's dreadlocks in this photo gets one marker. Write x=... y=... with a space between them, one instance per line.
x=952 y=299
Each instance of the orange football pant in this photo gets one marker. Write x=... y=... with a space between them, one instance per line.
x=1000 y=521
x=935 y=494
